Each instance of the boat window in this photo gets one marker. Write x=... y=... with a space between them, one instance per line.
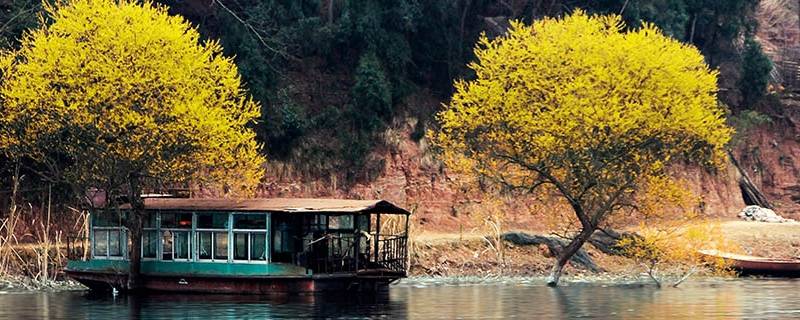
x=212 y=236
x=204 y=245
x=175 y=235
x=363 y=222
x=149 y=220
x=258 y=246
x=250 y=246
x=108 y=219
x=286 y=238
x=241 y=244
x=220 y=245
x=149 y=243
x=182 y=245
x=318 y=222
x=101 y=243
x=209 y=220
x=283 y=238
x=175 y=245
x=150 y=237
x=180 y=220
x=114 y=244
x=110 y=238
x=166 y=245
x=250 y=221
x=340 y=222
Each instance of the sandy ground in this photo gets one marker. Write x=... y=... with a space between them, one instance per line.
x=774 y=240
x=469 y=254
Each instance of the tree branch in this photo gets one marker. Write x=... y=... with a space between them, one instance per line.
x=255 y=32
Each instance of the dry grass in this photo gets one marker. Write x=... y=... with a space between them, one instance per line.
x=33 y=247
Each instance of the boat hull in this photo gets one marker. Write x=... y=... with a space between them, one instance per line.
x=101 y=281
x=228 y=278
x=751 y=265
x=782 y=269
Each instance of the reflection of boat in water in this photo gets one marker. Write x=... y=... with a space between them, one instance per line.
x=252 y=246
x=752 y=265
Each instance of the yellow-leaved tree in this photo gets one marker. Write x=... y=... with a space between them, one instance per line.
x=121 y=96
x=585 y=106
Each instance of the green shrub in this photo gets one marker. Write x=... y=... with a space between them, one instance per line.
x=286 y=122
x=745 y=121
x=371 y=94
x=756 y=67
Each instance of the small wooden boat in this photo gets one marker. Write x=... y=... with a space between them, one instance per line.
x=752 y=265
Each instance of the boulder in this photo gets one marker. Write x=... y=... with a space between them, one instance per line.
x=756 y=213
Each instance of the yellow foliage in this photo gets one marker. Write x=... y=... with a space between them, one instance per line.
x=579 y=103
x=664 y=200
x=672 y=232
x=123 y=88
x=675 y=252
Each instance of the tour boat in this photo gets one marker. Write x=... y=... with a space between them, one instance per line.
x=249 y=246
x=751 y=265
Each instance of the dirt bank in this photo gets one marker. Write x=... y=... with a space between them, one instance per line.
x=468 y=254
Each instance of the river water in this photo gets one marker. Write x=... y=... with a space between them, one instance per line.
x=433 y=299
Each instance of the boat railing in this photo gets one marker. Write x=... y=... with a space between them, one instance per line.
x=392 y=252
x=352 y=253
x=333 y=253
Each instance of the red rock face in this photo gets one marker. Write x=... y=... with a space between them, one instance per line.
x=770 y=155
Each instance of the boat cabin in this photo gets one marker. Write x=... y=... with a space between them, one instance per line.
x=250 y=246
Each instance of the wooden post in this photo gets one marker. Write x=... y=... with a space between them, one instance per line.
x=268 y=235
x=356 y=246
x=407 y=225
x=377 y=234
x=404 y=247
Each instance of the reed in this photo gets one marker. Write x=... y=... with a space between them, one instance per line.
x=33 y=250
x=489 y=218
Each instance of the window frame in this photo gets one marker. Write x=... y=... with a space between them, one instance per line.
x=213 y=231
x=160 y=257
x=160 y=238
x=157 y=229
x=123 y=234
x=249 y=232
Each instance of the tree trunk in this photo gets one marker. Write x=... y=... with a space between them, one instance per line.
x=134 y=254
x=134 y=226
x=751 y=195
x=567 y=253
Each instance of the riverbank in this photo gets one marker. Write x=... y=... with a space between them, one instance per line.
x=15 y=284
x=442 y=254
x=470 y=255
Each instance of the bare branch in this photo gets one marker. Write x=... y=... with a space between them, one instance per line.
x=685 y=276
x=255 y=32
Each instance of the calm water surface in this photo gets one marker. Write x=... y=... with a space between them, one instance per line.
x=732 y=299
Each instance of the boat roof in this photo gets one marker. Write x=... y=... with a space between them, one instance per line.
x=295 y=205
